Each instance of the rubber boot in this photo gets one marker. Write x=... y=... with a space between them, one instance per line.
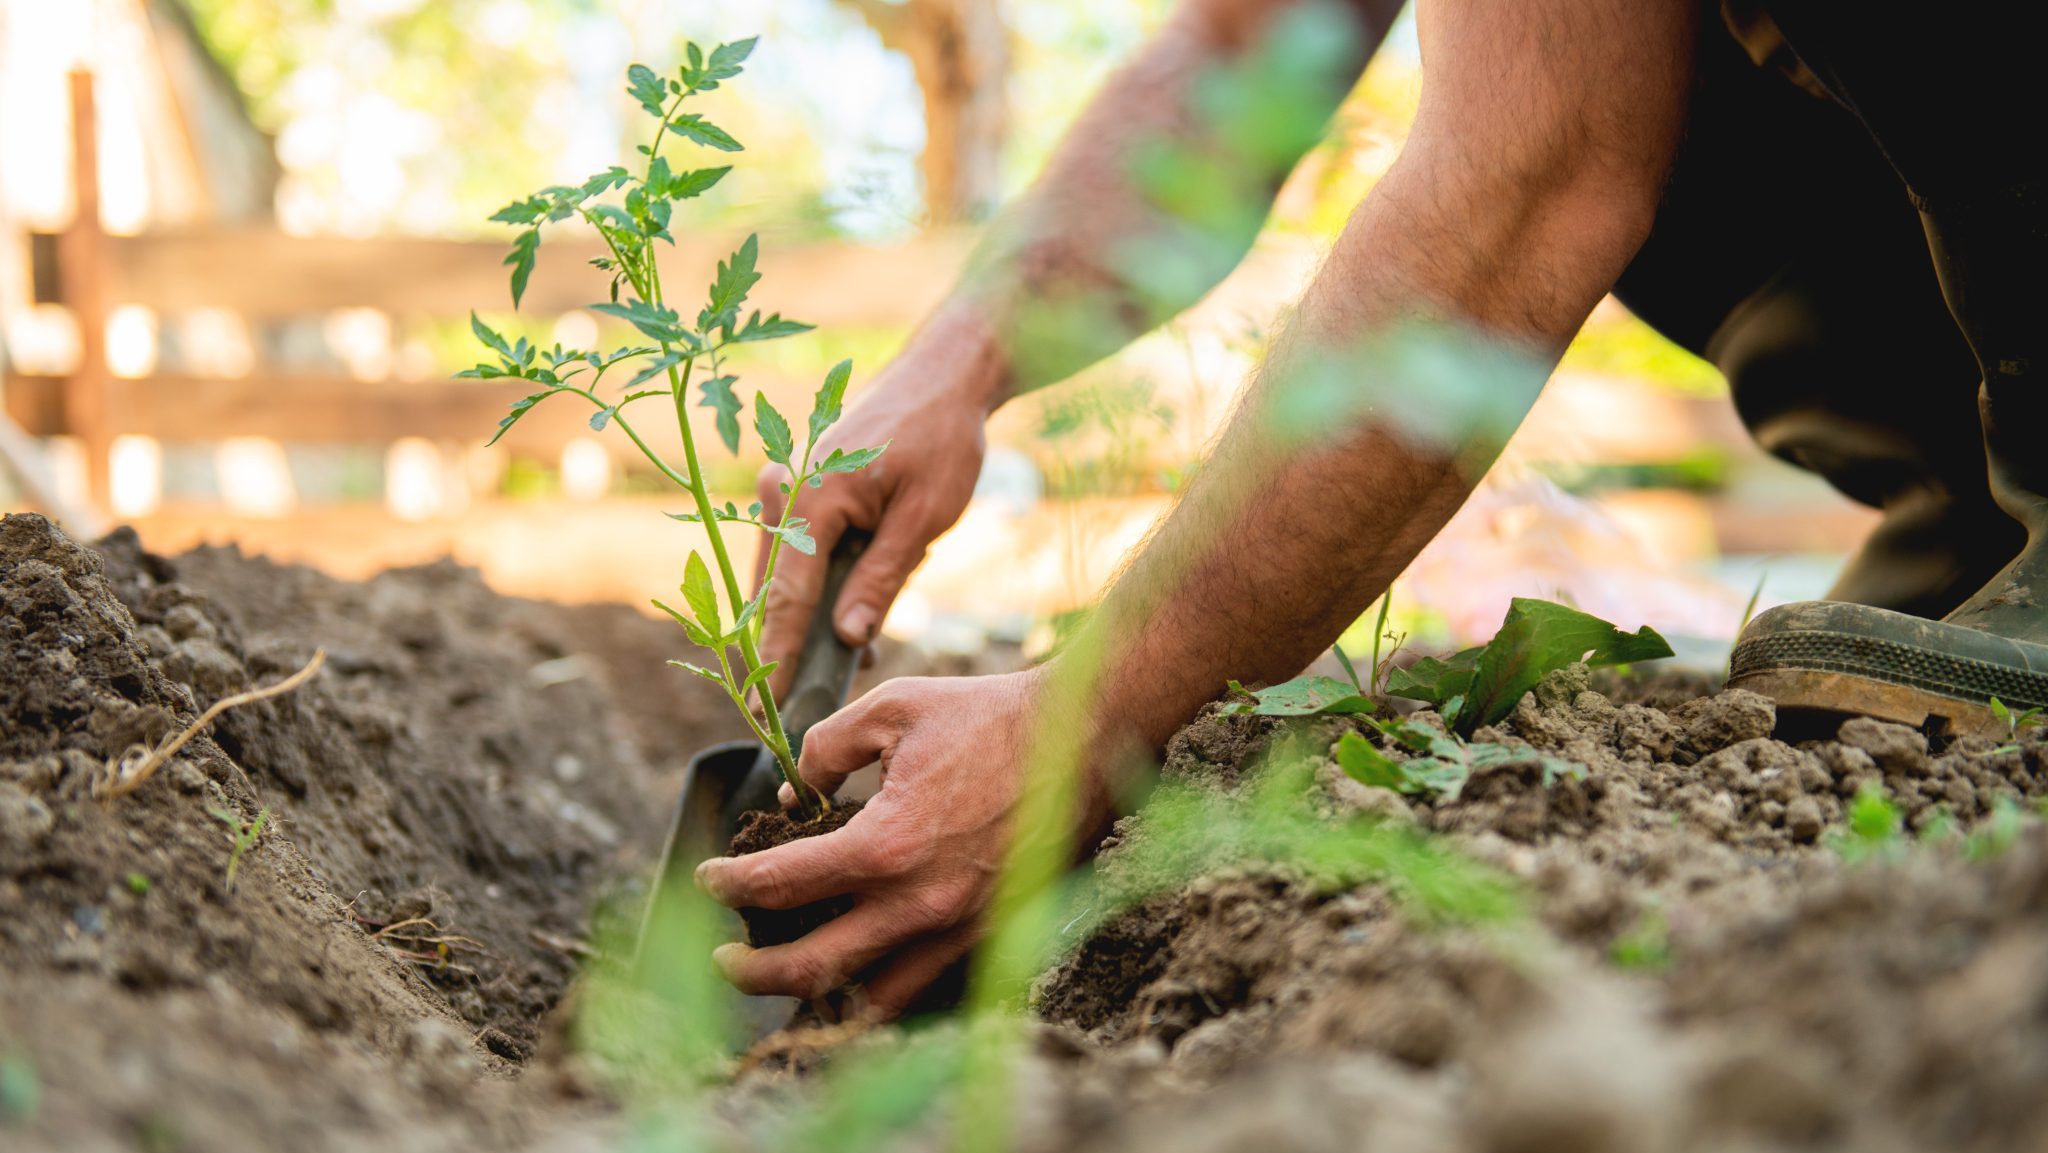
x=1986 y=661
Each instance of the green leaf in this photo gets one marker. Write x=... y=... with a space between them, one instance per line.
x=736 y=278
x=696 y=182
x=1367 y=765
x=747 y=612
x=718 y=395
x=704 y=132
x=1435 y=681
x=520 y=408
x=1537 y=638
x=691 y=628
x=701 y=671
x=797 y=535
x=1302 y=697
x=603 y=182
x=702 y=597
x=1344 y=659
x=831 y=398
x=854 y=461
x=525 y=248
x=773 y=328
x=645 y=86
x=489 y=336
x=602 y=417
x=757 y=676
x=773 y=429
x=527 y=211
x=653 y=321
x=724 y=64
x=654 y=368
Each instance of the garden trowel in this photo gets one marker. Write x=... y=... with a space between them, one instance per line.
x=726 y=781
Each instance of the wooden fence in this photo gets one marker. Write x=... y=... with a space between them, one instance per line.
x=265 y=276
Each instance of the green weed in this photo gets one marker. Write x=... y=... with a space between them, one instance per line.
x=678 y=347
x=21 y=1090
x=1646 y=946
x=1873 y=829
x=2015 y=723
x=241 y=839
x=138 y=884
x=1439 y=763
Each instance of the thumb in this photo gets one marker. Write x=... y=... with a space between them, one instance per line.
x=878 y=577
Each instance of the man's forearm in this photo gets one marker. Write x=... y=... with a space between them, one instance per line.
x=1066 y=274
x=1514 y=228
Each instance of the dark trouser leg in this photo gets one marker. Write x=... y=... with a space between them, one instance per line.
x=1785 y=254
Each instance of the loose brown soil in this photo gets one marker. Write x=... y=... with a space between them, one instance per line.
x=1698 y=968
x=765 y=830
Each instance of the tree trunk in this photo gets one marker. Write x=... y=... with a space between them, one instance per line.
x=960 y=53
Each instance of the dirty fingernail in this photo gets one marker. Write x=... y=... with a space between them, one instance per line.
x=707 y=876
x=858 y=621
x=728 y=956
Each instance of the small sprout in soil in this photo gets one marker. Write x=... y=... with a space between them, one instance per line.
x=1874 y=827
x=140 y=762
x=21 y=1090
x=1996 y=833
x=241 y=837
x=1481 y=685
x=675 y=348
x=2015 y=723
x=1438 y=764
x=138 y=884
x=1646 y=947
x=1300 y=697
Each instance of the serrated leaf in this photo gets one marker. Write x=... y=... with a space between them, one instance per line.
x=704 y=132
x=736 y=278
x=603 y=182
x=826 y=406
x=526 y=211
x=655 y=367
x=489 y=336
x=1302 y=697
x=645 y=85
x=797 y=535
x=685 y=517
x=718 y=395
x=842 y=461
x=748 y=611
x=773 y=328
x=525 y=250
x=696 y=182
x=653 y=321
x=1537 y=638
x=731 y=56
x=520 y=408
x=701 y=595
x=773 y=430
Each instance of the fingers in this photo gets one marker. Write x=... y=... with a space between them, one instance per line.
x=906 y=976
x=822 y=960
x=879 y=575
x=796 y=873
x=852 y=738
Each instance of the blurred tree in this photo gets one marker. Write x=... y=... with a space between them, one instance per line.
x=960 y=52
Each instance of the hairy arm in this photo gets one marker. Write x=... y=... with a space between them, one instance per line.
x=1070 y=273
x=1538 y=158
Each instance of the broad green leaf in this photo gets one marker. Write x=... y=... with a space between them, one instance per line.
x=718 y=395
x=774 y=430
x=860 y=458
x=701 y=594
x=726 y=59
x=1367 y=765
x=1302 y=697
x=653 y=321
x=1538 y=637
x=695 y=182
x=773 y=328
x=525 y=249
x=831 y=398
x=704 y=132
x=1435 y=681
x=490 y=337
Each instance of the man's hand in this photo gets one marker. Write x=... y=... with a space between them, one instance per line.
x=928 y=407
x=920 y=859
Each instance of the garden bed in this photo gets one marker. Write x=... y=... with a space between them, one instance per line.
x=1703 y=941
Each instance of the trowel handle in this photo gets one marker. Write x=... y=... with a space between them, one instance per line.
x=824 y=675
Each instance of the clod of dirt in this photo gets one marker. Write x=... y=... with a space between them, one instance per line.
x=765 y=829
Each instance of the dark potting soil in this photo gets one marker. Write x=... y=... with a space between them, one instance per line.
x=765 y=829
